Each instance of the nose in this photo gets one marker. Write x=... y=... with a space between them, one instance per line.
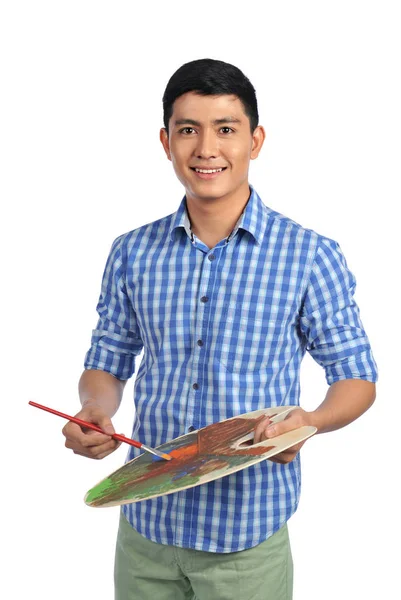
x=206 y=146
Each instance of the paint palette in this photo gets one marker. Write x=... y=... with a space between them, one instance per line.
x=198 y=457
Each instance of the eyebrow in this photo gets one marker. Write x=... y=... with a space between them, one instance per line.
x=215 y=122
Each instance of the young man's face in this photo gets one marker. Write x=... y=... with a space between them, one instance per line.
x=211 y=132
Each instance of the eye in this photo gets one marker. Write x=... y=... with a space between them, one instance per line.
x=229 y=128
x=185 y=129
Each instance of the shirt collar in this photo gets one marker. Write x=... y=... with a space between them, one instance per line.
x=252 y=219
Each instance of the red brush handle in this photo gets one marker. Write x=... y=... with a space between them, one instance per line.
x=116 y=436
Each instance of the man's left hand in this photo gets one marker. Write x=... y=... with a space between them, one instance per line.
x=266 y=430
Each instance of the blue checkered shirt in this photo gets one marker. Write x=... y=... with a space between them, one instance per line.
x=224 y=331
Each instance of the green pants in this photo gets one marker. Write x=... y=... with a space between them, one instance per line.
x=145 y=570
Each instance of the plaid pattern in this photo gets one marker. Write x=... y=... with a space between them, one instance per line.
x=224 y=332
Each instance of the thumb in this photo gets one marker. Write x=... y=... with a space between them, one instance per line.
x=281 y=427
x=104 y=422
x=96 y=415
x=107 y=426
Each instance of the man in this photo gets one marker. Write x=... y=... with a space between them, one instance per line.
x=225 y=296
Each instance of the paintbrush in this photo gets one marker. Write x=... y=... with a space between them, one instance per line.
x=116 y=436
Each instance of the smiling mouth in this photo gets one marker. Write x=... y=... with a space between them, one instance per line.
x=208 y=171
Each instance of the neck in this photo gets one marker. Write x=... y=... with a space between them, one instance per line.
x=213 y=219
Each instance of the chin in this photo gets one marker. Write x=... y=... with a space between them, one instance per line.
x=211 y=187
x=209 y=193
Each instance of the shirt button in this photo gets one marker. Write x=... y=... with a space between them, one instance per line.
x=192 y=428
x=196 y=386
x=200 y=343
x=204 y=299
x=211 y=257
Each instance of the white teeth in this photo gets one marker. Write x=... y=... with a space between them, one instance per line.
x=208 y=171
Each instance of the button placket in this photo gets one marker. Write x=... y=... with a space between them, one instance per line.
x=206 y=284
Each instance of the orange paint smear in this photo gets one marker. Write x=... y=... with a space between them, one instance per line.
x=185 y=452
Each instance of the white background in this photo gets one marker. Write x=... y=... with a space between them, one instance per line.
x=81 y=163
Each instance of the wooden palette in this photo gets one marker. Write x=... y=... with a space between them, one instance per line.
x=198 y=457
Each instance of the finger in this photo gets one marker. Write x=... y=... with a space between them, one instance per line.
x=71 y=430
x=283 y=457
x=259 y=429
x=83 y=436
x=101 y=452
x=94 y=451
x=92 y=457
x=288 y=455
x=94 y=414
x=93 y=438
x=91 y=414
x=90 y=441
x=280 y=460
x=104 y=422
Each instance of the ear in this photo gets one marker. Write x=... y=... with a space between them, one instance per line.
x=258 y=137
x=165 y=142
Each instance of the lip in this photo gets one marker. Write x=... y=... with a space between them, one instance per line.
x=207 y=176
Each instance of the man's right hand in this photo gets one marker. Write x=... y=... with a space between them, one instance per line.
x=87 y=442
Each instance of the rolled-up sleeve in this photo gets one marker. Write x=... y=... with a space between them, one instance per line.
x=330 y=319
x=116 y=340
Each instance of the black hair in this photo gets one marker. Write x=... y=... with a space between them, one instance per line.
x=208 y=77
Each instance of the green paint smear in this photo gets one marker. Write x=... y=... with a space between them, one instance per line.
x=102 y=488
x=163 y=487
